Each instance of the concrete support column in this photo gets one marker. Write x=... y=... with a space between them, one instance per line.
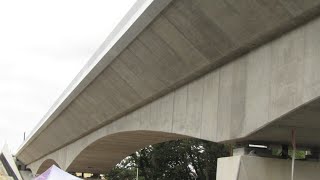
x=245 y=167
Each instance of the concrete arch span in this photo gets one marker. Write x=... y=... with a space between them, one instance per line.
x=106 y=152
x=232 y=102
x=108 y=145
x=44 y=166
x=182 y=113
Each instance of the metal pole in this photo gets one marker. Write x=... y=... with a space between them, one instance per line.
x=293 y=152
x=137 y=174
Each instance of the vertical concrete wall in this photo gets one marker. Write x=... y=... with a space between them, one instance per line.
x=269 y=82
x=258 y=168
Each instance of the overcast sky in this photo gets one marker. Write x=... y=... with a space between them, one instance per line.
x=43 y=45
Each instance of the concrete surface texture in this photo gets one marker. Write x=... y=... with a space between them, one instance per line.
x=3 y=171
x=185 y=40
x=148 y=94
x=10 y=162
x=6 y=177
x=27 y=175
x=253 y=168
x=235 y=102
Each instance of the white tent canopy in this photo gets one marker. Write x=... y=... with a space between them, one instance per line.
x=54 y=173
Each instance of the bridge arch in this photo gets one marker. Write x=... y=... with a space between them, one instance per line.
x=106 y=152
x=40 y=168
x=168 y=118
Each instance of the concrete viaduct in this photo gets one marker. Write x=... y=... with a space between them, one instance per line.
x=228 y=71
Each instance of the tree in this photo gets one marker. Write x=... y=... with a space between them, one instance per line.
x=180 y=159
x=125 y=170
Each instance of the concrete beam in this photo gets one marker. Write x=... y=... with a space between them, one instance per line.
x=168 y=46
x=136 y=19
x=230 y=104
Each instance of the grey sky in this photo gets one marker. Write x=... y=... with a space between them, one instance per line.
x=43 y=45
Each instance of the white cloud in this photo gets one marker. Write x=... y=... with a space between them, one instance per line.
x=43 y=45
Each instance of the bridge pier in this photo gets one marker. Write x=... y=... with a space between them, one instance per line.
x=248 y=167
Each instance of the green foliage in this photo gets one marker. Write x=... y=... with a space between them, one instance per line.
x=125 y=170
x=120 y=173
x=299 y=154
x=180 y=159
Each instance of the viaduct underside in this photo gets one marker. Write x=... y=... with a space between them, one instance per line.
x=224 y=71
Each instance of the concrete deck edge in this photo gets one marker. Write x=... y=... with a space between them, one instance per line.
x=140 y=15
